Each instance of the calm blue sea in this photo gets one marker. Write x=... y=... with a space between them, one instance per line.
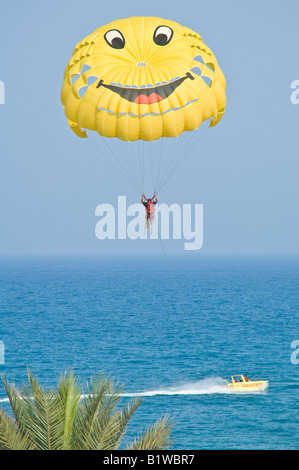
x=176 y=347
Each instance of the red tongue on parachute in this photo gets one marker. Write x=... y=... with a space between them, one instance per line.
x=152 y=98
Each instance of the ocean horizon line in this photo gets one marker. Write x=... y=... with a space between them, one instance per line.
x=149 y=255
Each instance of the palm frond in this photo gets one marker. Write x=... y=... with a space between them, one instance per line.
x=69 y=391
x=95 y=417
x=63 y=419
x=41 y=415
x=155 y=438
x=124 y=418
x=11 y=437
x=13 y=396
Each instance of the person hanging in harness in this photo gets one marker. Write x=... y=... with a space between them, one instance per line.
x=149 y=205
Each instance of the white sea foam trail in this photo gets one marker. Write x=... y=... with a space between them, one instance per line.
x=201 y=387
x=3 y=400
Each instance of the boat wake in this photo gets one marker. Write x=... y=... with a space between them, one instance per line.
x=209 y=386
x=201 y=387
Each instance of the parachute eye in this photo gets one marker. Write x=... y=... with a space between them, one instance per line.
x=115 y=39
x=162 y=35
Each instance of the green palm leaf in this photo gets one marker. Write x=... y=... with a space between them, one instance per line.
x=154 y=438
x=11 y=437
x=69 y=391
x=67 y=419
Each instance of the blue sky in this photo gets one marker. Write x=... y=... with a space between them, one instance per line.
x=245 y=172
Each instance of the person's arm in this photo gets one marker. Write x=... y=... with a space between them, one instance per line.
x=155 y=197
x=142 y=198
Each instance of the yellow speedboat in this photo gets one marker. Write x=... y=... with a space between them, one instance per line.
x=241 y=383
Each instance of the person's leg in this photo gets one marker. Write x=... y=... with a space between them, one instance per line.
x=146 y=223
x=152 y=223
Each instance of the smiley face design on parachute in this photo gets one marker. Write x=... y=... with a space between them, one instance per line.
x=147 y=94
x=142 y=78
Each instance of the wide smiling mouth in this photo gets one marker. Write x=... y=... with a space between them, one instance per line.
x=147 y=94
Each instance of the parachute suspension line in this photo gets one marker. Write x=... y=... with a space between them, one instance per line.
x=120 y=166
x=179 y=157
x=168 y=161
x=159 y=159
x=172 y=153
x=137 y=159
x=169 y=155
x=140 y=159
x=155 y=161
x=185 y=310
x=109 y=160
x=130 y=161
x=142 y=167
x=152 y=173
x=152 y=161
x=195 y=137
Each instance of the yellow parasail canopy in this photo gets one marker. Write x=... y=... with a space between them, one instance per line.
x=142 y=78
